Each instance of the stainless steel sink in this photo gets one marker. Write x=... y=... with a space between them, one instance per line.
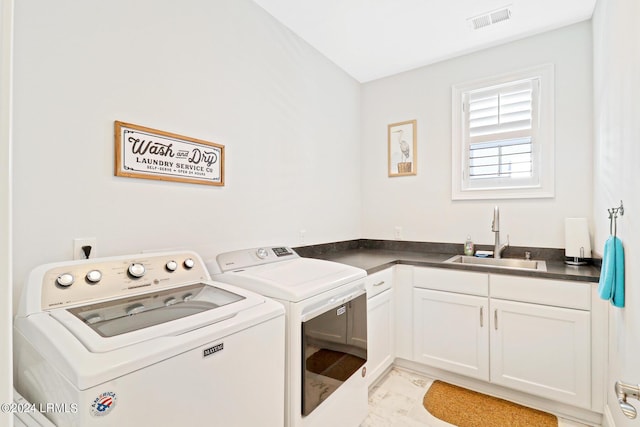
x=510 y=263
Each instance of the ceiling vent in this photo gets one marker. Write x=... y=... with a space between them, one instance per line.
x=490 y=18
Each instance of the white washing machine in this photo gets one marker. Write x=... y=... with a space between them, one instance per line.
x=145 y=340
x=326 y=308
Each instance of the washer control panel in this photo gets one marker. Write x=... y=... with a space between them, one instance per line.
x=235 y=260
x=85 y=281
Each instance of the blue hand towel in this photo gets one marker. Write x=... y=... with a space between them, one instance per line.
x=611 y=285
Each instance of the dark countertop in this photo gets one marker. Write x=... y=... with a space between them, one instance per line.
x=375 y=259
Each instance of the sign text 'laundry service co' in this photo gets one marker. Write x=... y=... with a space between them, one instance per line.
x=153 y=154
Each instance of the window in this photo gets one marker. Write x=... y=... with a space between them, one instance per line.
x=502 y=136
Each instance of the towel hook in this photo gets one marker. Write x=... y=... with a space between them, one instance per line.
x=613 y=218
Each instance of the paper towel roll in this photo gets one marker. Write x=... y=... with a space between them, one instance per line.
x=576 y=238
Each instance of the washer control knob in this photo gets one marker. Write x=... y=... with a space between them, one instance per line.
x=171 y=266
x=94 y=276
x=262 y=253
x=187 y=297
x=170 y=301
x=65 y=280
x=136 y=270
x=189 y=263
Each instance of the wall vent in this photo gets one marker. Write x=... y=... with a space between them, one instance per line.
x=489 y=18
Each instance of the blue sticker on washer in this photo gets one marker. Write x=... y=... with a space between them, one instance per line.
x=103 y=404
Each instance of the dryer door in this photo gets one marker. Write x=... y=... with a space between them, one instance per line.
x=334 y=347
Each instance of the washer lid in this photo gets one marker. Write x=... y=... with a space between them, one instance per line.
x=121 y=322
x=294 y=280
x=116 y=317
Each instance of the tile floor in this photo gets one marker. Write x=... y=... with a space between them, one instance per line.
x=397 y=401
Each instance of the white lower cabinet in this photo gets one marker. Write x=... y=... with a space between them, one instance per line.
x=453 y=332
x=537 y=341
x=542 y=350
x=380 y=324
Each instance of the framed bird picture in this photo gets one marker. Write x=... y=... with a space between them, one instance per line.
x=402 y=148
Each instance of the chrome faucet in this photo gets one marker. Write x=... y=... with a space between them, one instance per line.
x=495 y=227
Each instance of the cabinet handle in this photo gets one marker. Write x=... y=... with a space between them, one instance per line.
x=495 y=319
x=481 y=316
x=380 y=283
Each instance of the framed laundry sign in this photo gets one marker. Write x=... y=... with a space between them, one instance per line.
x=147 y=153
x=401 y=145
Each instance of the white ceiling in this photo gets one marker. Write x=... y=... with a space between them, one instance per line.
x=370 y=39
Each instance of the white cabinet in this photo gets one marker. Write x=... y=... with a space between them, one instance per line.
x=453 y=332
x=380 y=324
x=542 y=349
x=529 y=334
x=403 y=311
x=450 y=321
x=357 y=334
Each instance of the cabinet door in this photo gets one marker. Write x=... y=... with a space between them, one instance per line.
x=380 y=345
x=542 y=350
x=451 y=331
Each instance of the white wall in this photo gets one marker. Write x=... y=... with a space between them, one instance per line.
x=616 y=40
x=422 y=204
x=218 y=70
x=6 y=26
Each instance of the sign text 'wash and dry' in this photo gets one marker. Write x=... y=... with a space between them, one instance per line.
x=152 y=154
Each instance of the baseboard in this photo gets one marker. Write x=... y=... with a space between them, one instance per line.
x=380 y=377
x=565 y=411
x=607 y=418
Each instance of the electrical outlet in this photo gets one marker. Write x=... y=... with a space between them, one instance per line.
x=79 y=243
x=397 y=232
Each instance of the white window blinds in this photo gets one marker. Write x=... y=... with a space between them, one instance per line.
x=502 y=136
x=506 y=158
x=498 y=110
x=499 y=131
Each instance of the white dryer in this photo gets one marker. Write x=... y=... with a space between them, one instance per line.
x=326 y=308
x=148 y=339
